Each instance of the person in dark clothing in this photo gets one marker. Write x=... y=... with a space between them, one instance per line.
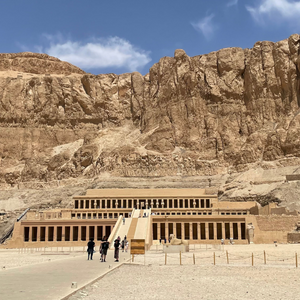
x=123 y=245
x=100 y=248
x=117 y=246
x=104 y=248
x=90 y=249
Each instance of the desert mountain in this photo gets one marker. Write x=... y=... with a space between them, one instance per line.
x=228 y=120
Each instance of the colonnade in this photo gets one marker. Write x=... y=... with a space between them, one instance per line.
x=200 y=230
x=92 y=215
x=61 y=233
x=141 y=203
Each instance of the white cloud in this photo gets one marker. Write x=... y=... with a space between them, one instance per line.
x=205 y=26
x=285 y=9
x=98 y=53
x=232 y=3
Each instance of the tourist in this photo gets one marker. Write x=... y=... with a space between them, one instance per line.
x=117 y=246
x=123 y=245
x=123 y=220
x=105 y=246
x=126 y=245
x=100 y=248
x=90 y=249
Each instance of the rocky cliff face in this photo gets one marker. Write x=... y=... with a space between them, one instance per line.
x=211 y=114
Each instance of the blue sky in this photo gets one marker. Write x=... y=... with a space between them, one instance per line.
x=125 y=36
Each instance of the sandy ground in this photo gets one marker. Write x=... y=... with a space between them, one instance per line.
x=149 y=278
x=195 y=282
x=12 y=258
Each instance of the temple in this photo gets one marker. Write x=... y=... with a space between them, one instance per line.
x=152 y=214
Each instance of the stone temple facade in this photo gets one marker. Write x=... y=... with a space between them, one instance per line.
x=153 y=214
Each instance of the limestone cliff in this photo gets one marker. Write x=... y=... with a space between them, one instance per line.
x=204 y=115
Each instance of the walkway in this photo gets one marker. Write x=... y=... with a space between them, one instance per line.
x=52 y=280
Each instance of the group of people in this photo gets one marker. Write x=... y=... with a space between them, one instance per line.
x=104 y=245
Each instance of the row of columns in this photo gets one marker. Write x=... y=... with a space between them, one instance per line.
x=90 y=232
x=92 y=215
x=238 y=234
x=142 y=203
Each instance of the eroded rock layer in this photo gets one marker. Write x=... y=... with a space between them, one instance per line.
x=205 y=115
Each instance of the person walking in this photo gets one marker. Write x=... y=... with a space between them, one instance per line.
x=123 y=245
x=117 y=247
x=123 y=220
x=100 y=248
x=126 y=245
x=105 y=246
x=90 y=249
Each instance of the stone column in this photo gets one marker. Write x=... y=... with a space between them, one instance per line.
x=191 y=231
x=63 y=233
x=71 y=233
x=158 y=231
x=46 y=233
x=182 y=231
x=30 y=234
x=38 y=234
x=231 y=229
x=151 y=203
x=167 y=231
x=223 y=230
x=79 y=233
x=215 y=230
x=174 y=229
x=238 y=224
x=206 y=231
x=198 y=231
x=55 y=233
x=87 y=233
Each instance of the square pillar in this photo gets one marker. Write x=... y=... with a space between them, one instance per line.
x=198 y=231
x=46 y=233
x=158 y=231
x=223 y=231
x=55 y=233
x=174 y=230
x=63 y=233
x=71 y=233
x=182 y=231
x=231 y=229
x=87 y=233
x=206 y=231
x=191 y=231
x=167 y=231
x=38 y=238
x=239 y=230
x=79 y=233
x=30 y=234
x=215 y=230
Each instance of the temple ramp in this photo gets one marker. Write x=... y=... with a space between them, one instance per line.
x=132 y=229
x=143 y=225
x=127 y=229
x=124 y=228
x=136 y=213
